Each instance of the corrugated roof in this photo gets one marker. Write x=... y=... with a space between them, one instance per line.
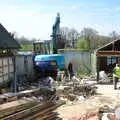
x=6 y=40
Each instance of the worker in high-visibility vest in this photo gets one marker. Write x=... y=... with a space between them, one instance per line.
x=116 y=75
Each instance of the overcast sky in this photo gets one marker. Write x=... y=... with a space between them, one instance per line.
x=35 y=18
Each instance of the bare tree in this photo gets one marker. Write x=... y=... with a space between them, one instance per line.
x=70 y=36
x=13 y=34
x=74 y=36
x=90 y=35
x=114 y=35
x=102 y=40
x=88 y=32
x=64 y=31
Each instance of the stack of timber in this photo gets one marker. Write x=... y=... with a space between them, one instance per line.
x=29 y=110
x=15 y=106
x=9 y=97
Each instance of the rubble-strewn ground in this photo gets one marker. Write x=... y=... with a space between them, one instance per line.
x=106 y=96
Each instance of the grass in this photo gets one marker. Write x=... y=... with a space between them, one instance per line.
x=26 y=47
x=72 y=50
x=83 y=74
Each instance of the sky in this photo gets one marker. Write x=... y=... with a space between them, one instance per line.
x=35 y=18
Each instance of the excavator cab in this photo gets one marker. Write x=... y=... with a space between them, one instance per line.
x=42 y=47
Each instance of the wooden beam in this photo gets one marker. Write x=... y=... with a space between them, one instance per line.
x=15 y=106
x=97 y=66
x=108 y=53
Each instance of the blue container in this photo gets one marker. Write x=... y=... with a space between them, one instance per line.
x=47 y=62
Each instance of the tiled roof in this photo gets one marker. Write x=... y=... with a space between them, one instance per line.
x=6 y=40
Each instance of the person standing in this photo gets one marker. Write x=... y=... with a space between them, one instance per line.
x=116 y=75
x=70 y=69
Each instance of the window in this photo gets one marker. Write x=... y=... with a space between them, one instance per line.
x=111 y=60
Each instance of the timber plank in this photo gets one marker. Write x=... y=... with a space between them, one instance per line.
x=15 y=106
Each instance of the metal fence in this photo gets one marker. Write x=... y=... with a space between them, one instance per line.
x=81 y=61
x=24 y=65
x=6 y=69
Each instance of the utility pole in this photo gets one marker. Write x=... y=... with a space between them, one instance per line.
x=15 y=79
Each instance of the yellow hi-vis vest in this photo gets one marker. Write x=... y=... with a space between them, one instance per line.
x=116 y=72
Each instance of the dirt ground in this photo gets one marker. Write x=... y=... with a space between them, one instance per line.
x=106 y=96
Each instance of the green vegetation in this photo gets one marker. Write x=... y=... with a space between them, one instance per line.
x=83 y=74
x=82 y=45
x=26 y=47
x=72 y=50
x=87 y=39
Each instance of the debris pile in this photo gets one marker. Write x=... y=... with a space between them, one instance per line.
x=103 y=77
x=98 y=108
x=108 y=113
x=99 y=113
x=36 y=103
x=76 y=89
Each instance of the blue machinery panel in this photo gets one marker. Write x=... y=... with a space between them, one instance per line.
x=47 y=62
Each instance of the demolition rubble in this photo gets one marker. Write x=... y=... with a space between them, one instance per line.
x=76 y=89
x=54 y=100
x=42 y=98
x=88 y=100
